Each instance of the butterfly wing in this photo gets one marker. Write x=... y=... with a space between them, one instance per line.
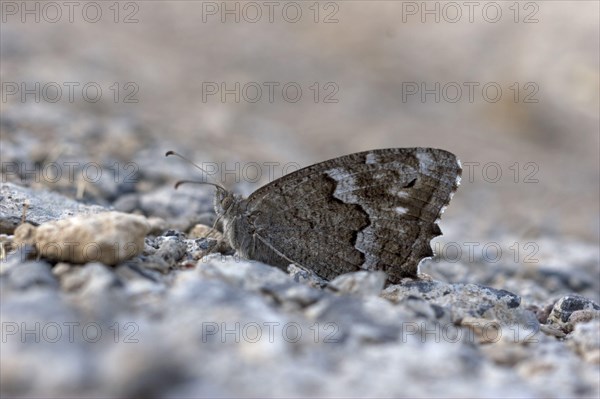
x=374 y=210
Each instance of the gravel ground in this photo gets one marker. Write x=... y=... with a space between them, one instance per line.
x=508 y=307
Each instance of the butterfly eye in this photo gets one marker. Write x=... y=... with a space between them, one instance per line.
x=226 y=202
x=411 y=183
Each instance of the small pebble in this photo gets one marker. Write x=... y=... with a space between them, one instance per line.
x=109 y=238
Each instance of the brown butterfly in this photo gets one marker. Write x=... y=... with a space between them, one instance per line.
x=372 y=210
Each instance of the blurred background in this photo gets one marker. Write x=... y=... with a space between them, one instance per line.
x=105 y=88
x=510 y=87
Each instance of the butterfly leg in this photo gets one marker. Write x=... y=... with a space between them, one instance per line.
x=214 y=227
x=221 y=239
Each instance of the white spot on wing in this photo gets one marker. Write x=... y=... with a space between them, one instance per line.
x=424 y=160
x=400 y=210
x=371 y=158
x=398 y=191
x=457 y=181
x=336 y=174
x=346 y=184
x=458 y=176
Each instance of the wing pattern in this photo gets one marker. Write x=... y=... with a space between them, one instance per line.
x=374 y=210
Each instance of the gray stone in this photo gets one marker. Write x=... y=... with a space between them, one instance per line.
x=359 y=283
x=293 y=295
x=181 y=208
x=90 y=278
x=306 y=276
x=585 y=341
x=127 y=203
x=17 y=255
x=462 y=299
x=425 y=309
x=31 y=275
x=141 y=283
x=573 y=309
x=349 y=318
x=171 y=250
x=43 y=206
x=250 y=275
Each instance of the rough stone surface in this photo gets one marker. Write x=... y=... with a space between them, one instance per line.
x=585 y=341
x=464 y=299
x=573 y=309
x=109 y=237
x=359 y=283
x=31 y=275
x=42 y=206
x=214 y=238
x=181 y=208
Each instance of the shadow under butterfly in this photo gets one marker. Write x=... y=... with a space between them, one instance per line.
x=372 y=210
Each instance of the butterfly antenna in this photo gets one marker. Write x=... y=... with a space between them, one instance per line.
x=179 y=183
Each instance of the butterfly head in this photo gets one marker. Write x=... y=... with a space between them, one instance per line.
x=223 y=201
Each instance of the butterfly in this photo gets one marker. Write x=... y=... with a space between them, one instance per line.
x=372 y=210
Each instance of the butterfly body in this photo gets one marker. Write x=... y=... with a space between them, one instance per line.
x=374 y=210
